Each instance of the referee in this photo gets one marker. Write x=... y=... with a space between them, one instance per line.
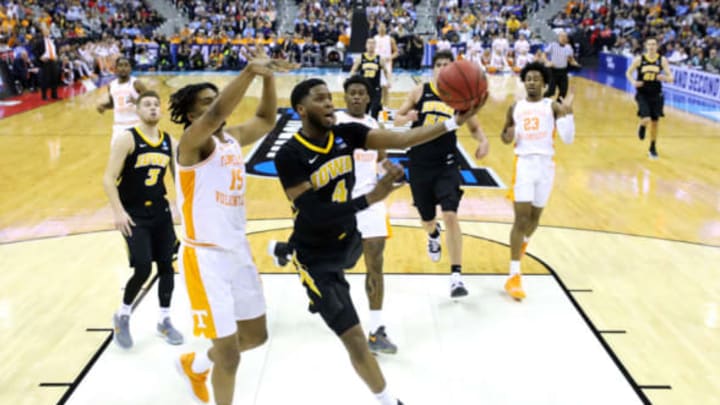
x=557 y=57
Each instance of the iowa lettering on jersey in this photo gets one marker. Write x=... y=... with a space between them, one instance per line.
x=436 y=112
x=331 y=170
x=152 y=159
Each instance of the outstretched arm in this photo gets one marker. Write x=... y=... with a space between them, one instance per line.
x=264 y=118
x=407 y=112
x=384 y=139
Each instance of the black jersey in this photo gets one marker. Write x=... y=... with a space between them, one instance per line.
x=647 y=72
x=370 y=69
x=441 y=151
x=330 y=169
x=141 y=182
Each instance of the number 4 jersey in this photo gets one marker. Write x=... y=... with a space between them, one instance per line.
x=329 y=167
x=211 y=198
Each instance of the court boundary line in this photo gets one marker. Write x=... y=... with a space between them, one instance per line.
x=637 y=388
x=475 y=221
x=99 y=352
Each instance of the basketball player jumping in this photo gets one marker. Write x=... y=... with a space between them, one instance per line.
x=434 y=173
x=372 y=223
x=370 y=64
x=123 y=93
x=223 y=284
x=652 y=69
x=316 y=169
x=531 y=123
x=133 y=182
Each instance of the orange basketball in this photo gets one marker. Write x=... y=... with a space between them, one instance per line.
x=462 y=84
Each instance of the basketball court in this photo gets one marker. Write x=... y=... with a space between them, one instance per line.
x=622 y=281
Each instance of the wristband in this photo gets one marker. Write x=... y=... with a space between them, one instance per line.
x=451 y=124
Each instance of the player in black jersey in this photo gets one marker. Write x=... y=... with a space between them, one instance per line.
x=434 y=172
x=652 y=69
x=315 y=167
x=369 y=65
x=134 y=183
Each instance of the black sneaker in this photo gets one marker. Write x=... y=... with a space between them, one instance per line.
x=280 y=252
x=641 y=132
x=652 y=152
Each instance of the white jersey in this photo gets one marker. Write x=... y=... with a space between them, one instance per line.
x=124 y=110
x=534 y=128
x=523 y=59
x=211 y=198
x=383 y=47
x=365 y=160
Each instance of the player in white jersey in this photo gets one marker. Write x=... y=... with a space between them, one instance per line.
x=123 y=92
x=532 y=123
x=373 y=222
x=386 y=47
x=223 y=284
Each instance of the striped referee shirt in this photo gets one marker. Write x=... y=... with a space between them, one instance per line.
x=559 y=54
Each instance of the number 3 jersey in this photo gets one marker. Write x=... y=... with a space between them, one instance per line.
x=329 y=168
x=211 y=198
x=141 y=185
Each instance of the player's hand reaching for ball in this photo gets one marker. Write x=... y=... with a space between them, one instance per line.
x=393 y=174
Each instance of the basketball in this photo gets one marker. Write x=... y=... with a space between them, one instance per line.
x=462 y=84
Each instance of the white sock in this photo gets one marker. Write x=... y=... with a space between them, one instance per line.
x=164 y=313
x=514 y=267
x=125 y=310
x=375 y=320
x=202 y=362
x=384 y=398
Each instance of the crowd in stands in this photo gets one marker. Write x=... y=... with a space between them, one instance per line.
x=687 y=31
x=89 y=34
x=493 y=33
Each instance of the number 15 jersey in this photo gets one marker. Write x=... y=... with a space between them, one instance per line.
x=211 y=198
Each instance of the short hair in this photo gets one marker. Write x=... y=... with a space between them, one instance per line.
x=538 y=67
x=357 y=79
x=182 y=101
x=442 y=55
x=146 y=94
x=117 y=61
x=302 y=90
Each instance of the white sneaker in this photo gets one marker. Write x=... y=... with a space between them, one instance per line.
x=434 y=248
x=457 y=287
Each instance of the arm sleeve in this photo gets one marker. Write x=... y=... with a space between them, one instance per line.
x=566 y=128
x=355 y=134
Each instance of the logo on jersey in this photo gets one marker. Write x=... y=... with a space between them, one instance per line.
x=260 y=160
